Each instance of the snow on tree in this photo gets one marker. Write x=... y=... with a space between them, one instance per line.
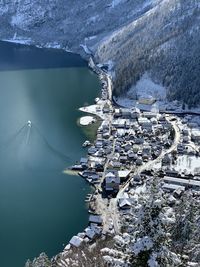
x=41 y=261
x=151 y=243
x=185 y=233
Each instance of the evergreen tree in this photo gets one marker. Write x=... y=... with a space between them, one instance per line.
x=152 y=238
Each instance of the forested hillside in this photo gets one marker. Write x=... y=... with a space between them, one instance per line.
x=158 y=36
x=164 y=42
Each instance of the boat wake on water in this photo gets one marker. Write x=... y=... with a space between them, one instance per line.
x=53 y=150
x=31 y=149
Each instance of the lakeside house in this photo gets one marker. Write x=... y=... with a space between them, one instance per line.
x=84 y=162
x=76 y=241
x=95 y=219
x=90 y=233
x=92 y=150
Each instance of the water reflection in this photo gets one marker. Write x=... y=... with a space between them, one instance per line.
x=41 y=208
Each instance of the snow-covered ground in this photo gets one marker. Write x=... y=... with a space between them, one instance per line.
x=130 y=103
x=86 y=49
x=19 y=40
x=146 y=87
x=93 y=19
x=194 y=119
x=95 y=109
x=28 y=41
x=188 y=163
x=116 y=2
x=86 y=120
x=185 y=163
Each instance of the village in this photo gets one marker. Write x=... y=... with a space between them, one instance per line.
x=132 y=147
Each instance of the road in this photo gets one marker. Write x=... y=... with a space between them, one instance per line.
x=109 y=157
x=110 y=210
x=113 y=209
x=158 y=159
x=193 y=146
x=109 y=80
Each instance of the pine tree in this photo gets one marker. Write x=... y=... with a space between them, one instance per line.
x=185 y=235
x=152 y=239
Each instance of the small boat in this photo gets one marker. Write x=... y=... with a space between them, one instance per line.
x=86 y=143
x=97 y=99
x=29 y=123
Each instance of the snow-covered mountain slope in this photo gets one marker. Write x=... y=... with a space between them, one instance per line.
x=158 y=36
x=163 y=41
x=67 y=22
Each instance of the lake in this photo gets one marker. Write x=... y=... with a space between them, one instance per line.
x=40 y=206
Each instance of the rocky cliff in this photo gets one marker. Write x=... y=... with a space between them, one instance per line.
x=158 y=36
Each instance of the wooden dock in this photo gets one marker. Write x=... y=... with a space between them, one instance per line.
x=88 y=198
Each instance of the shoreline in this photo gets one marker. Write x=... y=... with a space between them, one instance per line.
x=30 y=43
x=103 y=109
x=92 y=200
x=105 y=208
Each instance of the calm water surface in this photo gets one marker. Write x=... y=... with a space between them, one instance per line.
x=40 y=207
